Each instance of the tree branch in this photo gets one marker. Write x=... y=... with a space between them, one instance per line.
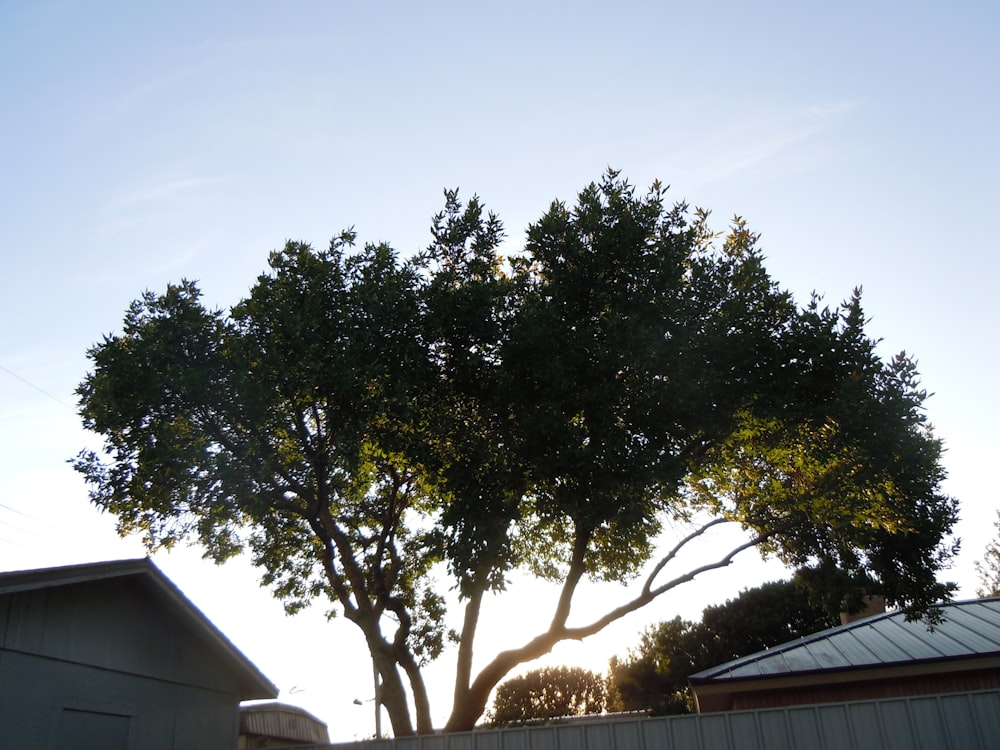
x=541 y=644
x=463 y=668
x=665 y=560
x=649 y=594
x=573 y=576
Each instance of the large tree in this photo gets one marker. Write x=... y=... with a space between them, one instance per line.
x=654 y=675
x=368 y=426
x=989 y=567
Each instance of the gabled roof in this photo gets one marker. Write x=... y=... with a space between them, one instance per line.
x=253 y=683
x=968 y=630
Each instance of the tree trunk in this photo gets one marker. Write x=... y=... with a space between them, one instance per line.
x=463 y=669
x=390 y=691
x=421 y=703
x=472 y=703
x=392 y=695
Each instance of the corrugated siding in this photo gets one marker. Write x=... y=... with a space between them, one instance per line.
x=282 y=722
x=36 y=694
x=116 y=624
x=957 y=721
x=91 y=614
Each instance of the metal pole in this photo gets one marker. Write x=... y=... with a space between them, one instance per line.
x=378 y=701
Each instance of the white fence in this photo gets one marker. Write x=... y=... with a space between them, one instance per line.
x=956 y=721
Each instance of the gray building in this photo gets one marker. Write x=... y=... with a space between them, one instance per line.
x=112 y=656
x=882 y=656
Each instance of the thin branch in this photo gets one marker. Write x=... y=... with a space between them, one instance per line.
x=237 y=449
x=332 y=575
x=721 y=563
x=325 y=527
x=649 y=595
x=543 y=643
x=677 y=548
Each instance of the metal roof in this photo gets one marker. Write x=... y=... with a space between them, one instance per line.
x=968 y=630
x=279 y=721
x=253 y=683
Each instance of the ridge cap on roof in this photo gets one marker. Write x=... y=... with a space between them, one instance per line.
x=259 y=706
x=122 y=562
x=36 y=578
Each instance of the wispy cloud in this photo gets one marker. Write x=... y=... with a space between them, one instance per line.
x=168 y=212
x=768 y=141
x=187 y=69
x=160 y=191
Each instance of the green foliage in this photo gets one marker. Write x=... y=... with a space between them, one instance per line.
x=654 y=675
x=653 y=678
x=372 y=429
x=276 y=429
x=549 y=693
x=989 y=567
x=839 y=468
x=468 y=301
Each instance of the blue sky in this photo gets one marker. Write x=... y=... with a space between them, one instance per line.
x=143 y=143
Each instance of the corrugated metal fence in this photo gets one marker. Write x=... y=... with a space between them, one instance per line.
x=957 y=721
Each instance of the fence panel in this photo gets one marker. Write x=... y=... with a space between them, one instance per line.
x=957 y=721
x=627 y=735
x=987 y=712
x=803 y=726
x=745 y=731
x=684 y=733
x=835 y=727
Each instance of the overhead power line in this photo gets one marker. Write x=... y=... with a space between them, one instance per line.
x=37 y=388
x=34 y=520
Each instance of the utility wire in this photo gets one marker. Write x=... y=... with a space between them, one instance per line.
x=37 y=388
x=33 y=519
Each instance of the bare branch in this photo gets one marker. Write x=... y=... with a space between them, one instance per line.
x=664 y=561
x=541 y=644
x=649 y=595
x=721 y=563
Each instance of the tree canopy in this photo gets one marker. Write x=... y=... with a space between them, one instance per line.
x=549 y=693
x=989 y=567
x=654 y=675
x=374 y=429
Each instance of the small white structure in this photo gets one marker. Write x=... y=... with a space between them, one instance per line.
x=267 y=725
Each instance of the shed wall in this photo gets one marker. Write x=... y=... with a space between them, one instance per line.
x=40 y=697
x=114 y=624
